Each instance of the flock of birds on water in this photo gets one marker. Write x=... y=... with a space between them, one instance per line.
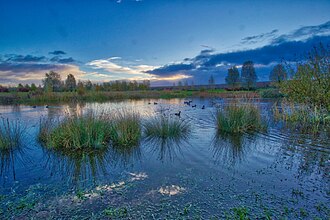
x=185 y=102
x=156 y=103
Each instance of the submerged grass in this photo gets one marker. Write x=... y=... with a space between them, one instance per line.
x=238 y=118
x=165 y=127
x=125 y=129
x=76 y=132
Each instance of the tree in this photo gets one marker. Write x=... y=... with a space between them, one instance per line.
x=278 y=74
x=80 y=88
x=88 y=85
x=70 y=83
x=232 y=78
x=211 y=81
x=248 y=75
x=33 y=87
x=52 y=82
x=311 y=79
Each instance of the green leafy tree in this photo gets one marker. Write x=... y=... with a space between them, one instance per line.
x=278 y=74
x=80 y=88
x=33 y=87
x=52 y=82
x=311 y=79
x=70 y=83
x=232 y=78
x=248 y=75
x=88 y=85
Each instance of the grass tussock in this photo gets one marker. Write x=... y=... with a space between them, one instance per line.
x=238 y=118
x=304 y=118
x=11 y=134
x=125 y=129
x=165 y=127
x=76 y=132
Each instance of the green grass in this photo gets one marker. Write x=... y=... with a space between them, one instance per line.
x=11 y=134
x=163 y=127
x=125 y=129
x=238 y=118
x=93 y=96
x=76 y=132
x=303 y=118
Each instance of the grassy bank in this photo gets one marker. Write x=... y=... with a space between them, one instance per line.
x=44 y=98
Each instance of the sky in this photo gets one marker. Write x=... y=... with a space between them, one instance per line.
x=159 y=40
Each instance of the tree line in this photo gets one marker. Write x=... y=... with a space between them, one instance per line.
x=53 y=83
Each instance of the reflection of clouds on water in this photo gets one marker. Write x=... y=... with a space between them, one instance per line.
x=171 y=190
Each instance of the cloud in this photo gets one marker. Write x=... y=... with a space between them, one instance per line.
x=13 y=73
x=57 y=52
x=26 y=58
x=16 y=68
x=208 y=63
x=259 y=38
x=112 y=67
x=171 y=69
x=304 y=33
x=62 y=60
x=135 y=72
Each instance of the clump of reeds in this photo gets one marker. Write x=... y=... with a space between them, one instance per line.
x=305 y=118
x=125 y=129
x=11 y=134
x=165 y=127
x=76 y=132
x=238 y=118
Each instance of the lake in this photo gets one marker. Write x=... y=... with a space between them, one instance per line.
x=279 y=172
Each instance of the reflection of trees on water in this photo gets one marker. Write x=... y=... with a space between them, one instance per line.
x=231 y=148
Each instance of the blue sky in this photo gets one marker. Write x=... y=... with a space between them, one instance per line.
x=164 y=41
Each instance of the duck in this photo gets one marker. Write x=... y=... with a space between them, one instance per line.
x=203 y=107
x=47 y=106
x=34 y=106
x=155 y=103
x=178 y=114
x=194 y=106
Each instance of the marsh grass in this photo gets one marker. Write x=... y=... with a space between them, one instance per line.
x=11 y=134
x=304 y=118
x=164 y=127
x=85 y=132
x=238 y=118
x=125 y=129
